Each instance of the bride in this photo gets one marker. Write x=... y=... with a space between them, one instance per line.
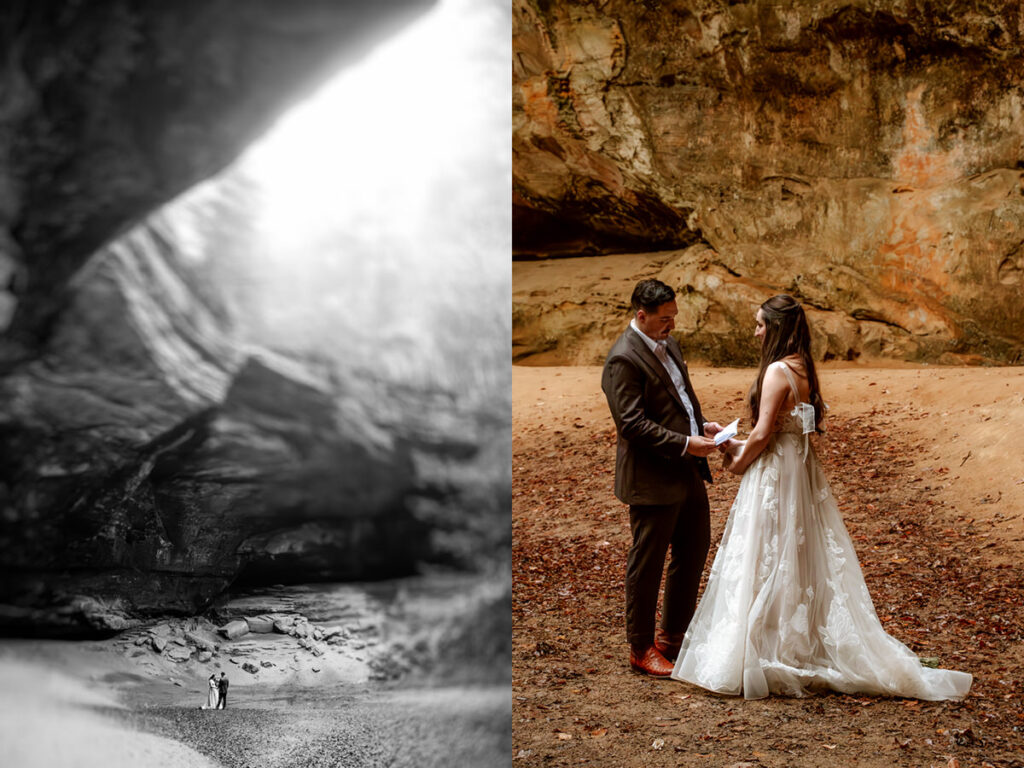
x=213 y=694
x=786 y=610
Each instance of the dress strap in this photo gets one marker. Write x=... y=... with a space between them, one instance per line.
x=792 y=382
x=798 y=406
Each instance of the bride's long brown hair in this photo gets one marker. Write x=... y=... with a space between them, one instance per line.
x=786 y=333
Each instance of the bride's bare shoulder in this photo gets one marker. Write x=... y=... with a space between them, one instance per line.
x=795 y=363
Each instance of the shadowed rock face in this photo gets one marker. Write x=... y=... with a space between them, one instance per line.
x=152 y=453
x=862 y=156
x=150 y=459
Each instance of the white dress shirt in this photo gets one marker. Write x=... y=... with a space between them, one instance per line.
x=660 y=350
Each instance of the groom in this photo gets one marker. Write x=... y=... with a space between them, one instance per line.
x=222 y=691
x=660 y=470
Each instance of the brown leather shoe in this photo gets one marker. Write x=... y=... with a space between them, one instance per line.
x=667 y=645
x=649 y=662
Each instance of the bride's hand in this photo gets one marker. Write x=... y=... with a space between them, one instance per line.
x=730 y=450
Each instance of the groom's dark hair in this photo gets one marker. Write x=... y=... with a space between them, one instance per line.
x=650 y=294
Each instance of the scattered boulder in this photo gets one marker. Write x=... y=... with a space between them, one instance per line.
x=199 y=641
x=158 y=643
x=234 y=629
x=266 y=664
x=205 y=656
x=178 y=653
x=260 y=624
x=300 y=629
x=329 y=632
x=318 y=633
x=252 y=669
x=284 y=624
x=317 y=649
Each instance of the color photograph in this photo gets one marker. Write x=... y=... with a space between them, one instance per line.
x=767 y=386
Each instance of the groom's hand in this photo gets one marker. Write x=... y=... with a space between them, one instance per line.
x=700 y=446
x=712 y=428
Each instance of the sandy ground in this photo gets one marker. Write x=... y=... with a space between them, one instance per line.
x=924 y=465
x=967 y=423
x=117 y=702
x=79 y=705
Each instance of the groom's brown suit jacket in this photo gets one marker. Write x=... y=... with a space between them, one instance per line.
x=652 y=423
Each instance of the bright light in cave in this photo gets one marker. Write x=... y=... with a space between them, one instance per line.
x=392 y=185
x=371 y=140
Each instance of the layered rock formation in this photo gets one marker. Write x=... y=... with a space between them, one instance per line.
x=863 y=156
x=154 y=450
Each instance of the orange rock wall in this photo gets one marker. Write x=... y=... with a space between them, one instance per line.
x=863 y=156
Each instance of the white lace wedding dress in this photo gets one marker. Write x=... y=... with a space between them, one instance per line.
x=786 y=610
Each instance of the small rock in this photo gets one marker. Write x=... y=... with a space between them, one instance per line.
x=318 y=634
x=266 y=664
x=301 y=630
x=283 y=625
x=158 y=643
x=250 y=668
x=317 y=649
x=329 y=632
x=233 y=660
x=178 y=683
x=205 y=656
x=234 y=629
x=316 y=669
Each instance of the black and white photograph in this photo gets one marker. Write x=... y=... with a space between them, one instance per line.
x=254 y=400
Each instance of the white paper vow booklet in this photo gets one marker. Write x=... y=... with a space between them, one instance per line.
x=729 y=431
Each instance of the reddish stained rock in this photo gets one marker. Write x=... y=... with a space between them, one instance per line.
x=858 y=158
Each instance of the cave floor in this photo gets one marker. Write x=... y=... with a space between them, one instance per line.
x=923 y=466
x=384 y=693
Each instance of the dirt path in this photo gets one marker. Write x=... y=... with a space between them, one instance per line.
x=939 y=541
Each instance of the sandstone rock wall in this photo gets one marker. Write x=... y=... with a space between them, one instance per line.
x=152 y=449
x=864 y=156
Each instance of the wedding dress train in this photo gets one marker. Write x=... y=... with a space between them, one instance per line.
x=786 y=609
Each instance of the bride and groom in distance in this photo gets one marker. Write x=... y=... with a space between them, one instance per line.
x=785 y=609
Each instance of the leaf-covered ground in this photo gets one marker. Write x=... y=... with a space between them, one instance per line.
x=940 y=583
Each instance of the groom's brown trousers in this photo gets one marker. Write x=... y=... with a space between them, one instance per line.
x=684 y=526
